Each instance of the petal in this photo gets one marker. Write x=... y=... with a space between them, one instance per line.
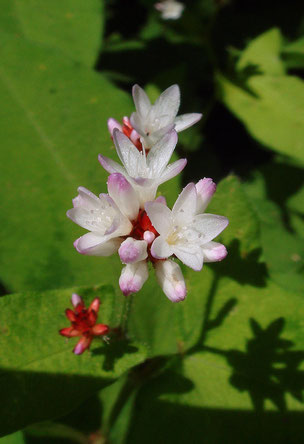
x=132 y=250
x=99 y=329
x=124 y=195
x=166 y=106
x=161 y=199
x=128 y=153
x=160 y=154
x=110 y=165
x=186 y=120
x=133 y=277
x=171 y=280
x=82 y=345
x=69 y=332
x=141 y=100
x=191 y=255
x=76 y=299
x=155 y=136
x=112 y=124
x=205 y=189
x=214 y=252
x=85 y=199
x=94 y=305
x=185 y=205
x=160 y=249
x=209 y=226
x=172 y=170
x=160 y=216
x=70 y=315
x=93 y=244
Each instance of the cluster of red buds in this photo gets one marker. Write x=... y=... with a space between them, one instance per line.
x=83 y=322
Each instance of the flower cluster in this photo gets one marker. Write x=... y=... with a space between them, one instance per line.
x=83 y=323
x=130 y=220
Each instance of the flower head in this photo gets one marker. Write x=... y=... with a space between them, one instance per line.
x=183 y=232
x=145 y=171
x=170 y=9
x=152 y=122
x=83 y=323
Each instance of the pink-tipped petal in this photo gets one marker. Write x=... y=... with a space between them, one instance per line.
x=76 y=299
x=82 y=345
x=133 y=277
x=132 y=250
x=214 y=252
x=100 y=329
x=205 y=189
x=124 y=195
x=113 y=124
x=94 y=305
x=171 y=280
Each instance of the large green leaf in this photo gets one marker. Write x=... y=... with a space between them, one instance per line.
x=40 y=376
x=273 y=114
x=283 y=249
x=72 y=27
x=231 y=386
x=263 y=53
x=52 y=132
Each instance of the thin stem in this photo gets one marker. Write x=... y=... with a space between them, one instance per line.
x=126 y=313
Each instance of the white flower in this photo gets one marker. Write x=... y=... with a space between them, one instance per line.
x=153 y=121
x=108 y=218
x=145 y=171
x=183 y=232
x=170 y=9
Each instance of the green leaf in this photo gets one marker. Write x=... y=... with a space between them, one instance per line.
x=283 y=249
x=37 y=364
x=71 y=27
x=14 y=438
x=232 y=385
x=264 y=53
x=274 y=115
x=293 y=54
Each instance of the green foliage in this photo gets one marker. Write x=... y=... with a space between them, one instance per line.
x=263 y=53
x=274 y=102
x=37 y=364
x=71 y=27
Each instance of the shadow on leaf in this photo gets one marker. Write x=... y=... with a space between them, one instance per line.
x=268 y=369
x=113 y=351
